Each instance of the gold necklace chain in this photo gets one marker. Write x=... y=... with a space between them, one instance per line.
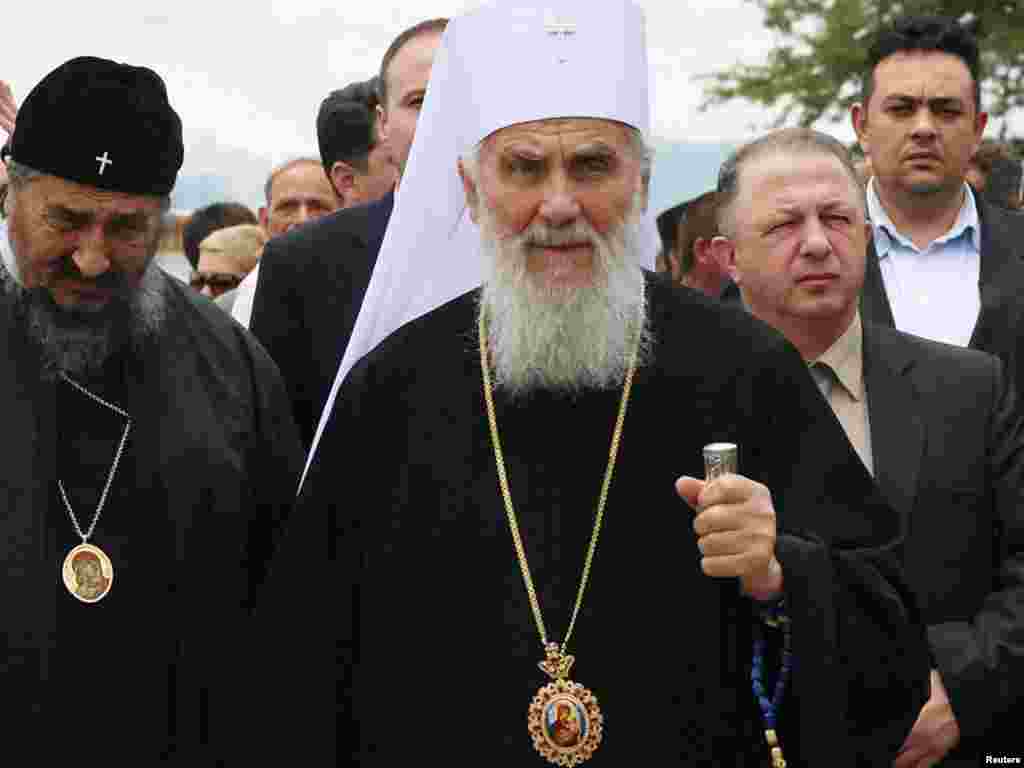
x=507 y=495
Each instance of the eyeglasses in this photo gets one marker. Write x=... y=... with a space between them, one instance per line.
x=219 y=282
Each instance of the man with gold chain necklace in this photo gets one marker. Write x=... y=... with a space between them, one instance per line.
x=150 y=451
x=518 y=576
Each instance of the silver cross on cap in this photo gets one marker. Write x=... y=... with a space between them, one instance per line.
x=104 y=161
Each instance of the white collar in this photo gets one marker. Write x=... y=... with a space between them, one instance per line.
x=885 y=232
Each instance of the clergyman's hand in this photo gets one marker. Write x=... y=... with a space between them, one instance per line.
x=735 y=527
x=935 y=732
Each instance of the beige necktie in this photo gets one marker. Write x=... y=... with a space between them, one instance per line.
x=851 y=413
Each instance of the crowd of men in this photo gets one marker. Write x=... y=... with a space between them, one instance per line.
x=428 y=436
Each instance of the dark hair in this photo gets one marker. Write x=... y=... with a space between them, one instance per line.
x=701 y=220
x=1002 y=170
x=346 y=125
x=424 y=27
x=668 y=225
x=209 y=219
x=802 y=140
x=940 y=34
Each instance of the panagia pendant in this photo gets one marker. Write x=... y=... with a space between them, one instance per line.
x=88 y=573
x=565 y=721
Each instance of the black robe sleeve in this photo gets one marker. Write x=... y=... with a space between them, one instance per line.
x=861 y=657
x=307 y=617
x=275 y=459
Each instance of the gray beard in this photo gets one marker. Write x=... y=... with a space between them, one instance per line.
x=563 y=340
x=78 y=342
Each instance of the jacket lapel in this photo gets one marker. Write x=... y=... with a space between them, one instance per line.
x=996 y=255
x=897 y=432
x=874 y=302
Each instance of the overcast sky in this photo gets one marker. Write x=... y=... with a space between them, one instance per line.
x=247 y=78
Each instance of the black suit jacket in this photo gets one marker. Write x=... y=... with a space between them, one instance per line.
x=1001 y=282
x=948 y=454
x=312 y=282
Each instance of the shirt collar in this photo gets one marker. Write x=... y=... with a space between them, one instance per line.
x=885 y=232
x=846 y=359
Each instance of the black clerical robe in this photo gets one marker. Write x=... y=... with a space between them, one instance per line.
x=430 y=629
x=151 y=674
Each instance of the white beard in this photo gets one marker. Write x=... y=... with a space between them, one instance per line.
x=563 y=339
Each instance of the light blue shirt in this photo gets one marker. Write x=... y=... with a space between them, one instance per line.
x=933 y=292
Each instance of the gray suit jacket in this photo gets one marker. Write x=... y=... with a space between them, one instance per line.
x=948 y=454
x=226 y=300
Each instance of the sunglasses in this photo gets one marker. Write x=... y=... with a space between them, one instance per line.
x=218 y=281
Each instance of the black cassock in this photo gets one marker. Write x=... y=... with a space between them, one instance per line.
x=428 y=625
x=150 y=674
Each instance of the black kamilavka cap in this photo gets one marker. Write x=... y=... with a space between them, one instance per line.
x=103 y=124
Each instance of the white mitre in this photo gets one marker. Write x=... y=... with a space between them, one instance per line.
x=506 y=63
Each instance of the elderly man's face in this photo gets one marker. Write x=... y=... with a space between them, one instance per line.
x=298 y=194
x=559 y=183
x=87 y=247
x=800 y=238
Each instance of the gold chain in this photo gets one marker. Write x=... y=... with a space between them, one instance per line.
x=507 y=495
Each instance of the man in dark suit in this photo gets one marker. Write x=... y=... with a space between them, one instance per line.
x=356 y=161
x=312 y=280
x=939 y=256
x=935 y=423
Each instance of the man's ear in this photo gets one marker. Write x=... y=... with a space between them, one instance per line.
x=980 y=121
x=382 y=123
x=469 y=187
x=703 y=254
x=859 y=118
x=723 y=252
x=343 y=179
x=264 y=216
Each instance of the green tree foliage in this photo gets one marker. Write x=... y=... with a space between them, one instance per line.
x=816 y=70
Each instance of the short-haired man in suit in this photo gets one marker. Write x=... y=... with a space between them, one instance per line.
x=357 y=162
x=312 y=281
x=690 y=260
x=296 y=192
x=938 y=254
x=935 y=423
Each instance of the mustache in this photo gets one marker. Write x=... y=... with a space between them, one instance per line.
x=542 y=235
x=111 y=281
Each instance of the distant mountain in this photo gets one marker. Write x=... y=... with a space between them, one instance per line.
x=191 y=192
x=682 y=170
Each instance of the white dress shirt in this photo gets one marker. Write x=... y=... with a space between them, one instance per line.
x=244 y=295
x=933 y=292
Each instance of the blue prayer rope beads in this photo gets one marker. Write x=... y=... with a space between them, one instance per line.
x=774 y=616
